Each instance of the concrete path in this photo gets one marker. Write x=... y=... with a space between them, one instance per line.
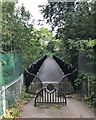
x=50 y=71
x=74 y=109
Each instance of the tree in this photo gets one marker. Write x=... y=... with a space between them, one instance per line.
x=71 y=19
x=18 y=35
x=47 y=40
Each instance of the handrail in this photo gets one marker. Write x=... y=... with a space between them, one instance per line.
x=12 y=83
x=67 y=75
x=33 y=75
x=30 y=73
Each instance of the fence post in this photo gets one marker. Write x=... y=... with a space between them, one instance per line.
x=3 y=100
x=21 y=83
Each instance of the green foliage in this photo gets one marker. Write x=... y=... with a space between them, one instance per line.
x=72 y=20
x=75 y=33
x=19 y=35
x=75 y=28
x=15 y=109
x=70 y=49
x=86 y=84
x=11 y=67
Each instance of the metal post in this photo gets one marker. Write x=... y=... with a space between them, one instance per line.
x=3 y=100
x=21 y=83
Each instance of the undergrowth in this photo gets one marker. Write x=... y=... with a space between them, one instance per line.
x=15 y=110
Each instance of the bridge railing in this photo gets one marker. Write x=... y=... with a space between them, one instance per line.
x=65 y=85
x=32 y=82
x=35 y=66
x=9 y=93
x=30 y=75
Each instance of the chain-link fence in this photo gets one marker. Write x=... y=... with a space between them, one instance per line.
x=9 y=93
x=10 y=80
x=11 y=67
x=87 y=62
x=86 y=88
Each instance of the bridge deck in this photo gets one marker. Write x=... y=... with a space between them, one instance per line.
x=50 y=71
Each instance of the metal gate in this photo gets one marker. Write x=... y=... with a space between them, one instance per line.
x=50 y=95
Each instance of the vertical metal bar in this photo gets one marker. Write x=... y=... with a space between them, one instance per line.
x=63 y=99
x=35 y=85
x=58 y=96
x=3 y=100
x=50 y=97
x=35 y=103
x=45 y=95
x=53 y=97
x=21 y=83
x=42 y=95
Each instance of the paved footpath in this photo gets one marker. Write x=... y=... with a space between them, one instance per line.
x=74 y=109
x=50 y=71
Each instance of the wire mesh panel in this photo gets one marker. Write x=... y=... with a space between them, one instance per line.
x=10 y=80
x=13 y=91
x=87 y=62
x=9 y=93
x=35 y=86
x=87 y=88
x=65 y=86
x=87 y=76
x=11 y=67
x=84 y=89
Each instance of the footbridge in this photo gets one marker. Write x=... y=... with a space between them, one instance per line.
x=50 y=79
